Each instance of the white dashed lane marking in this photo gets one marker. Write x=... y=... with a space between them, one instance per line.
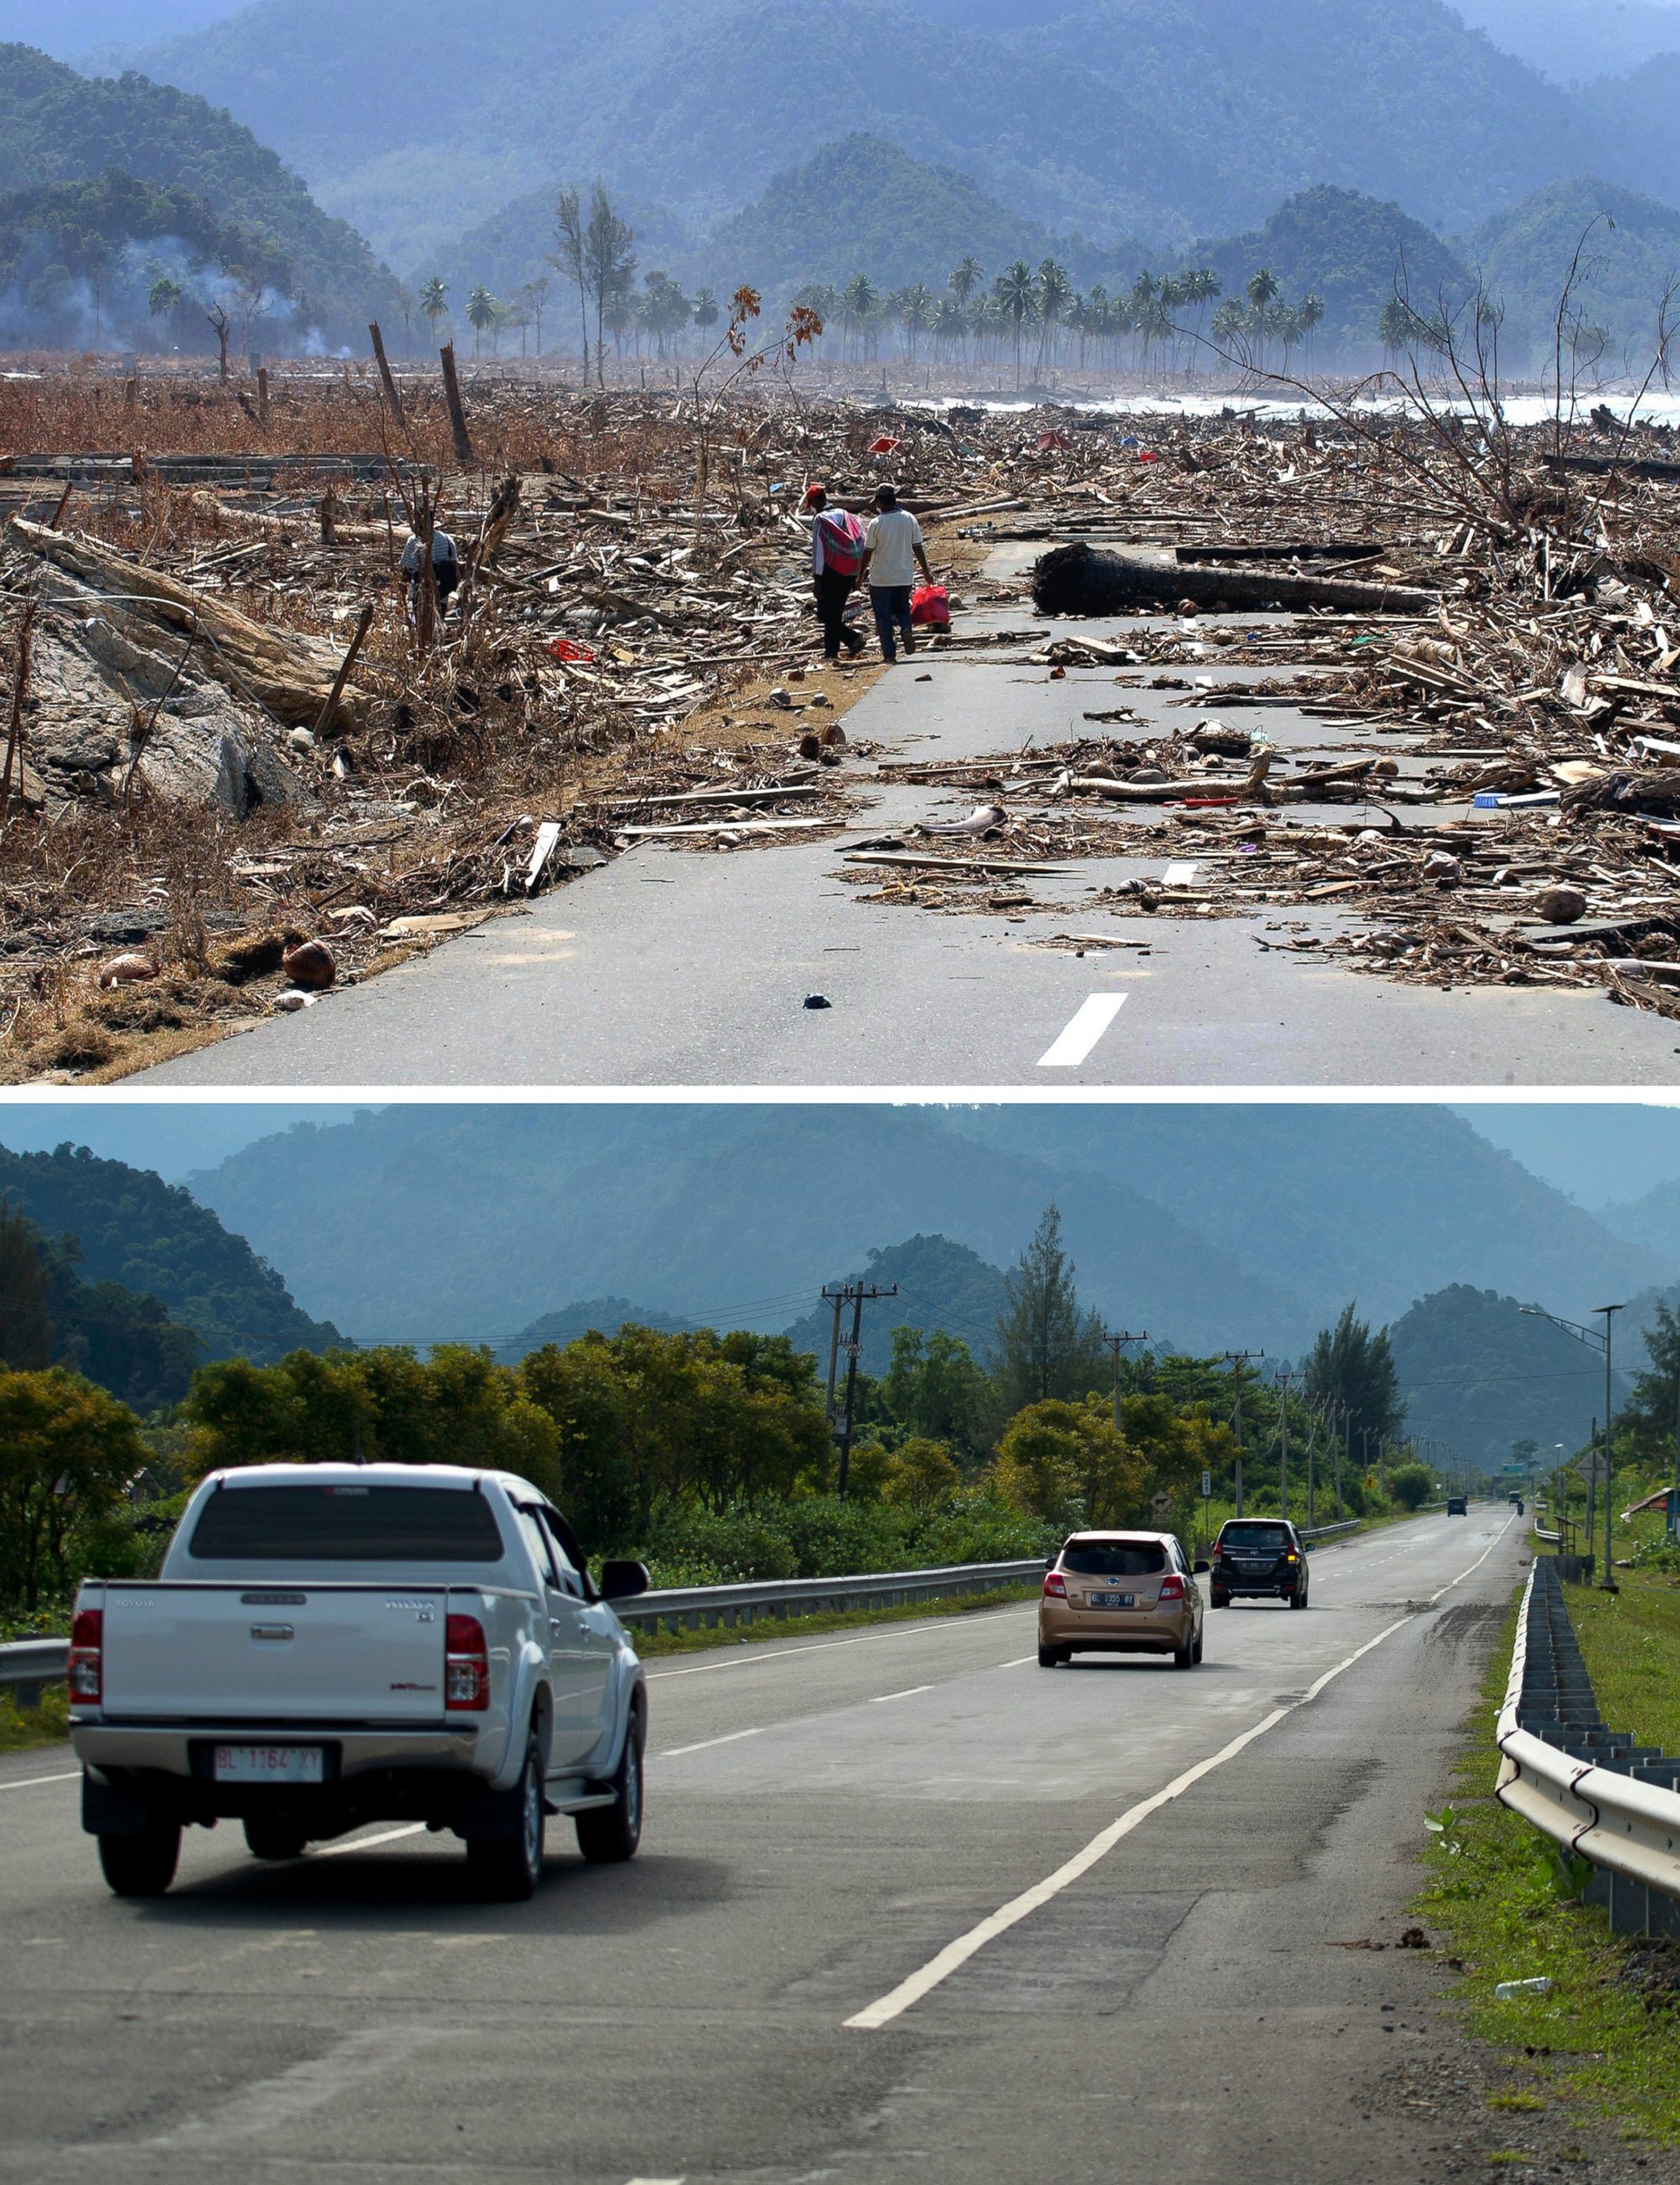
x=1087 y=1026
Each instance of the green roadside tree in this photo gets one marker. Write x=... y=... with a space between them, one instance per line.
x=67 y=1452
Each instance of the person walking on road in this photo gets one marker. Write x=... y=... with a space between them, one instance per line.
x=836 y=564
x=892 y=553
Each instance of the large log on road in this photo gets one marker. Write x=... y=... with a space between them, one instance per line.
x=1081 y=580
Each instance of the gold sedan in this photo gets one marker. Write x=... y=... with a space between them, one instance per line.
x=1121 y=1593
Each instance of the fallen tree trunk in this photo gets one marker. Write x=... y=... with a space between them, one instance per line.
x=1078 y=580
x=290 y=675
x=1169 y=792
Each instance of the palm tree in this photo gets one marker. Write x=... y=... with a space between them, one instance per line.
x=857 y=302
x=481 y=314
x=567 y=257
x=1310 y=313
x=966 y=279
x=1017 y=292
x=534 y=298
x=706 y=310
x=915 y=309
x=950 y=323
x=434 y=301
x=1055 y=294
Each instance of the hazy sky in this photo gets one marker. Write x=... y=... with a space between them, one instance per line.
x=1595 y=1152
x=67 y=28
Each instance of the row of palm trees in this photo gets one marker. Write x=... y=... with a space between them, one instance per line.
x=658 y=310
x=1040 y=319
x=1037 y=317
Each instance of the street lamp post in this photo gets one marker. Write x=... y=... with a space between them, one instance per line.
x=1609 y=1571
x=1593 y=1341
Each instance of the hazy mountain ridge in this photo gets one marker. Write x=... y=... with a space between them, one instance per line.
x=1159 y=118
x=1216 y=1223
x=57 y=126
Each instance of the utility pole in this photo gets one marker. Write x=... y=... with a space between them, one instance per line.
x=1609 y=1581
x=1117 y=1343
x=856 y=1295
x=1237 y=1360
x=1312 y=1437
x=837 y=1298
x=1283 y=1444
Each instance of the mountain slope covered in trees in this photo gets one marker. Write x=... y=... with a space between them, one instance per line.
x=152 y=1237
x=1164 y=119
x=57 y=126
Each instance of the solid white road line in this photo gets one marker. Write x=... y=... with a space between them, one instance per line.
x=263 y=2110
x=1085 y=1028
x=677 y=1751
x=908 y=1693
x=1019 y=1662
x=366 y=1843
x=958 y=1954
x=32 y=1782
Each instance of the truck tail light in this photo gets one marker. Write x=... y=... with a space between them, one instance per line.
x=467 y=1665
x=1172 y=1587
x=1057 y=1585
x=87 y=1640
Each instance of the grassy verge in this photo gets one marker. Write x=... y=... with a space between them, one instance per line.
x=1631 y=1638
x=649 y=1643
x=21 y=1729
x=1605 y=2040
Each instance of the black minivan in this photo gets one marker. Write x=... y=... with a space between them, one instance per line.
x=1263 y=1558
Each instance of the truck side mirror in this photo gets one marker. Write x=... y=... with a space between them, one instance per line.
x=623 y=1581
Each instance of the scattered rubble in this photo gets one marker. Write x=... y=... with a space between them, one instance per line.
x=228 y=741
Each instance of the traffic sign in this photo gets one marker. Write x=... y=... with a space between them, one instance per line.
x=1207 y=1486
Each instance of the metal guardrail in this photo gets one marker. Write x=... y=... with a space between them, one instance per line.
x=1590 y=1789
x=27 y=1664
x=1331 y=1532
x=692 y=1608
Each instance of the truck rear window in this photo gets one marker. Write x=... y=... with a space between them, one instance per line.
x=340 y=1524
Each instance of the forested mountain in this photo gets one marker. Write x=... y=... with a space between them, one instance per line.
x=151 y=1237
x=1573 y=40
x=1207 y=1223
x=1652 y=1220
x=941 y=1286
x=1479 y=1372
x=1632 y=253
x=861 y=203
x=1382 y=1203
x=1164 y=119
x=602 y=1315
x=57 y=126
x=731 y=1215
x=1352 y=252
x=50 y=1317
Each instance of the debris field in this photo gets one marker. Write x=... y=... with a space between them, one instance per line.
x=1426 y=680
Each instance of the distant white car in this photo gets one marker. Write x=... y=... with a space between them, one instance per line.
x=332 y=1645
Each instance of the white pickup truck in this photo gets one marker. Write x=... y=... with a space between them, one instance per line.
x=329 y=1644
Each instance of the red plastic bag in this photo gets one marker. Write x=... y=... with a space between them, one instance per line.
x=885 y=446
x=930 y=606
x=1147 y=455
x=563 y=649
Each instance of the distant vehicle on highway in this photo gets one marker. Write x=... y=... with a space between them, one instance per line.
x=1121 y=1593
x=332 y=1645
x=1260 y=1559
x=1458 y=1506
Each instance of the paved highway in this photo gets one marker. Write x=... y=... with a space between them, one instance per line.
x=671 y=968
x=908 y=1906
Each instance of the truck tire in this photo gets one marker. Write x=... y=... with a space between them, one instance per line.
x=1220 y=1600
x=507 y=1868
x=1299 y=1600
x=611 y=1833
x=271 y=1837
x=142 y=1865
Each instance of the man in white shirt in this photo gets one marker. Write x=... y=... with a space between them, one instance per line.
x=893 y=551
x=445 y=572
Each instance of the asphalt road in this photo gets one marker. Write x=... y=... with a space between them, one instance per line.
x=827 y=1816
x=673 y=967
